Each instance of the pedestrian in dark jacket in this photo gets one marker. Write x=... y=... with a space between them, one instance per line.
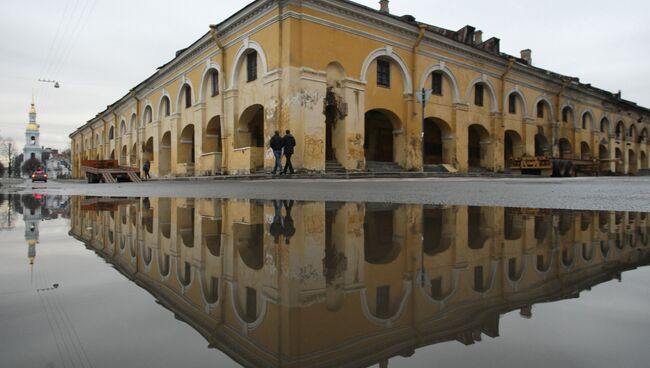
x=277 y=143
x=289 y=145
x=145 y=168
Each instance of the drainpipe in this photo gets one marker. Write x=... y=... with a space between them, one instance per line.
x=222 y=62
x=558 y=117
x=416 y=47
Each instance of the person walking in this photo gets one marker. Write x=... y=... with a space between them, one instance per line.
x=145 y=168
x=289 y=145
x=277 y=143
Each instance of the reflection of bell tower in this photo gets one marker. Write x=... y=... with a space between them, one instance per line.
x=32 y=136
x=31 y=220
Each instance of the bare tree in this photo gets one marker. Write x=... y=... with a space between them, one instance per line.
x=8 y=154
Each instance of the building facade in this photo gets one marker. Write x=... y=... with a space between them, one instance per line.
x=352 y=284
x=344 y=79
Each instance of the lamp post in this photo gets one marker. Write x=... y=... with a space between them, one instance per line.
x=423 y=97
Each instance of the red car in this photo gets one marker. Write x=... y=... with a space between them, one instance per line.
x=39 y=175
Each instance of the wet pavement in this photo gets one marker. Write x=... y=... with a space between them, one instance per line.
x=194 y=282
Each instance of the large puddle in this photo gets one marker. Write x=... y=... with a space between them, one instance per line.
x=171 y=282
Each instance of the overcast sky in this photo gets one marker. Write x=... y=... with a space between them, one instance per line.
x=99 y=49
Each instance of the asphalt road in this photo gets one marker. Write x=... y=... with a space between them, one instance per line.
x=608 y=193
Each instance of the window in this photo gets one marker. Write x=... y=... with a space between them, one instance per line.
x=565 y=114
x=251 y=66
x=111 y=133
x=166 y=105
x=436 y=84
x=540 y=109
x=383 y=73
x=512 y=103
x=383 y=301
x=478 y=95
x=33 y=140
x=188 y=97
x=214 y=83
x=584 y=121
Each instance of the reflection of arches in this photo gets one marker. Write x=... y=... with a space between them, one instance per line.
x=249 y=241
x=542 y=226
x=250 y=128
x=186 y=145
x=164 y=217
x=379 y=143
x=185 y=225
x=516 y=268
x=438 y=142
x=478 y=142
x=164 y=264
x=212 y=136
x=395 y=312
x=184 y=273
x=165 y=164
x=513 y=224
x=210 y=289
x=388 y=52
x=211 y=235
x=513 y=147
x=379 y=243
x=478 y=231
x=434 y=237
x=480 y=283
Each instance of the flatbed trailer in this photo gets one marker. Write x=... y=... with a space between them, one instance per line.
x=108 y=171
x=559 y=167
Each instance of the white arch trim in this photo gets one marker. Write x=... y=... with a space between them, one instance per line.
x=573 y=112
x=386 y=322
x=144 y=115
x=506 y=100
x=455 y=280
x=180 y=100
x=204 y=79
x=159 y=111
x=448 y=73
x=548 y=103
x=245 y=47
x=494 y=105
x=389 y=53
x=243 y=324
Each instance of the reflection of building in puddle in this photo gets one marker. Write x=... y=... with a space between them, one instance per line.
x=349 y=283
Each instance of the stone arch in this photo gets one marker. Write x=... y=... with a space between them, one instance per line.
x=212 y=136
x=134 y=121
x=147 y=150
x=644 y=161
x=164 y=105
x=542 y=146
x=249 y=241
x=448 y=75
x=478 y=231
x=632 y=133
x=521 y=99
x=147 y=115
x=165 y=155
x=479 y=282
x=111 y=133
x=380 y=143
x=604 y=125
x=587 y=120
x=124 y=158
x=436 y=236
x=206 y=83
x=181 y=98
x=134 y=154
x=566 y=150
x=478 y=142
x=165 y=217
x=643 y=137
x=438 y=142
x=210 y=289
x=184 y=273
x=250 y=128
x=585 y=151
x=185 y=146
x=164 y=264
x=482 y=80
x=388 y=52
x=568 y=115
x=246 y=48
x=513 y=147
x=545 y=102
x=620 y=131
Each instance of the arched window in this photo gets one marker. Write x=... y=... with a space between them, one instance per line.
x=111 y=134
x=604 y=125
x=188 y=96
x=148 y=115
x=436 y=83
x=165 y=108
x=383 y=73
x=214 y=82
x=565 y=114
x=479 y=92
x=585 y=118
x=251 y=66
x=123 y=127
x=620 y=130
x=512 y=103
x=540 y=109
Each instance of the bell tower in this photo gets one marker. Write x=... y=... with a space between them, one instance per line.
x=32 y=136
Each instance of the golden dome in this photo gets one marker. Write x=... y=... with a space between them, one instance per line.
x=33 y=126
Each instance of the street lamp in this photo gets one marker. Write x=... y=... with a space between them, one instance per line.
x=56 y=84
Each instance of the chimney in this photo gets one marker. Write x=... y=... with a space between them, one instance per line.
x=527 y=56
x=383 y=6
x=478 y=37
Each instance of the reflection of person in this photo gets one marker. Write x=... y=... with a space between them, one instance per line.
x=289 y=144
x=145 y=168
x=289 y=228
x=277 y=228
x=277 y=144
x=145 y=203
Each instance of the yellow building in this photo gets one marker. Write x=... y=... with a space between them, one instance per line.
x=352 y=284
x=344 y=79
